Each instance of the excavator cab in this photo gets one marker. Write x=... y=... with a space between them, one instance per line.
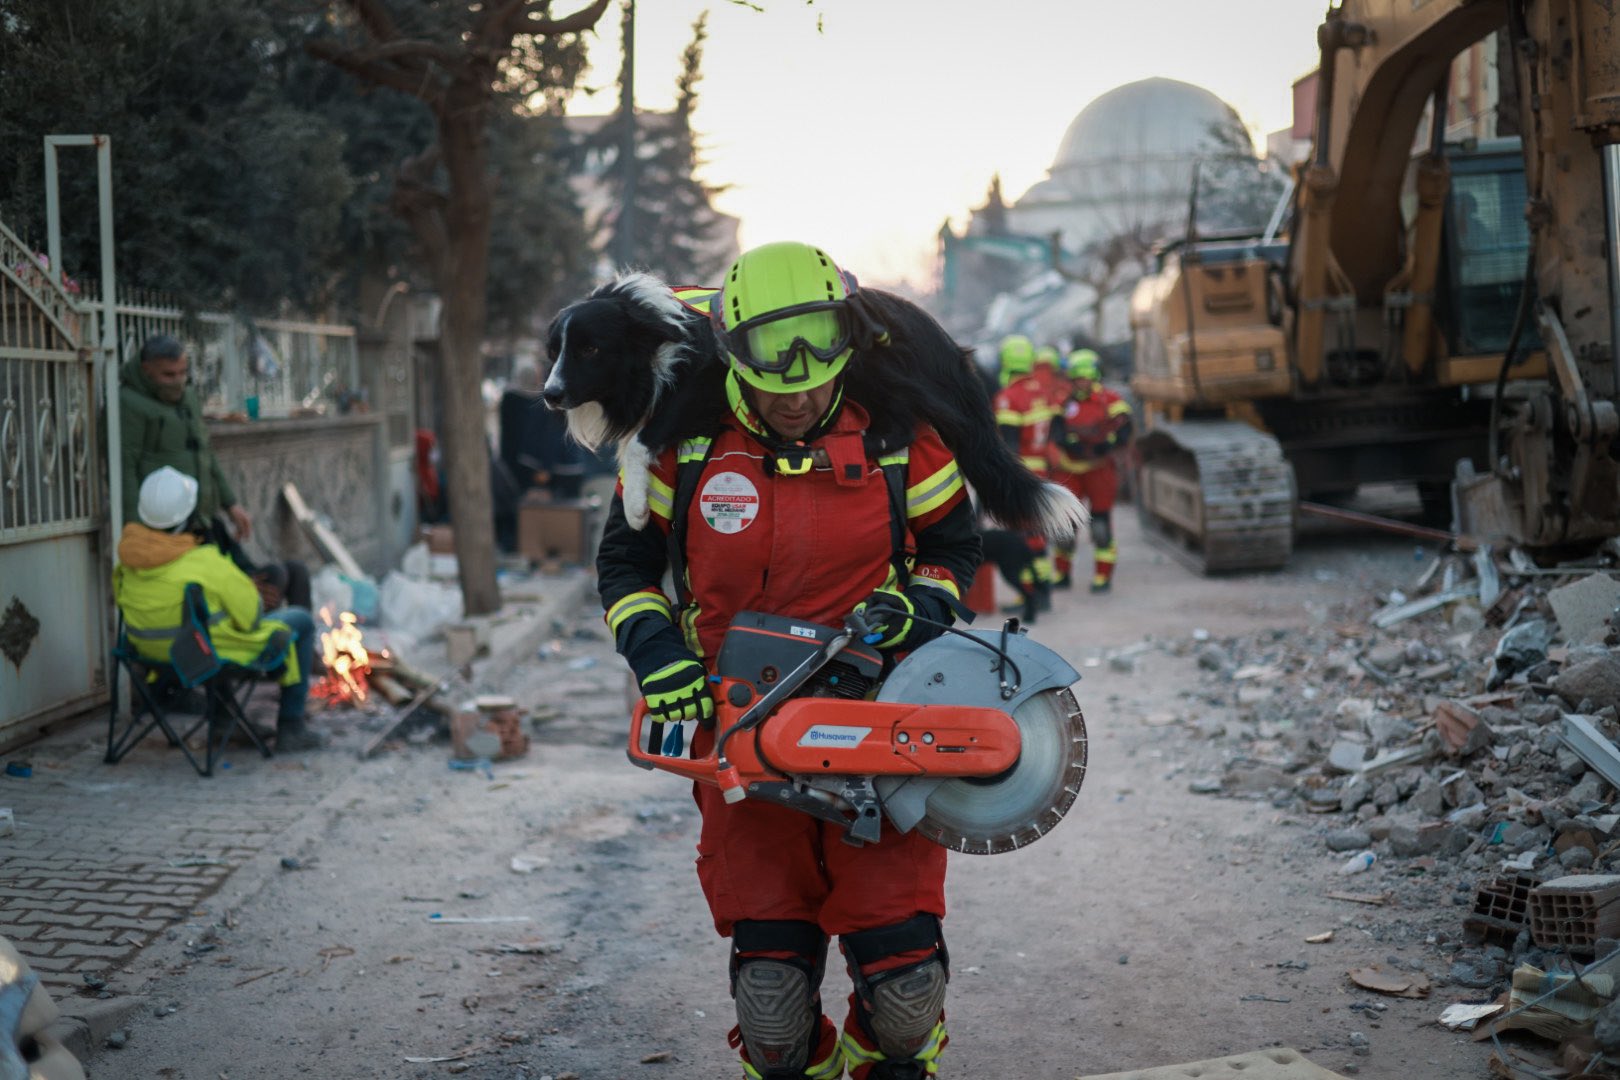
x=1485 y=247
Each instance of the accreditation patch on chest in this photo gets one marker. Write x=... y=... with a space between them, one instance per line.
x=729 y=502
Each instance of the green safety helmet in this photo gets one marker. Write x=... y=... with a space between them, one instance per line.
x=783 y=318
x=1083 y=364
x=1047 y=355
x=1017 y=357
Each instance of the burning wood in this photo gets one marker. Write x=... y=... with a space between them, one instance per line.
x=347 y=662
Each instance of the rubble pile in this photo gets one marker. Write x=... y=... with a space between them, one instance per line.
x=1466 y=731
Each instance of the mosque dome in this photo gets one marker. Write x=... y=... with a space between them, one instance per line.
x=1148 y=119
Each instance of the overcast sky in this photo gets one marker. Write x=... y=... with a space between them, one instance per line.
x=863 y=136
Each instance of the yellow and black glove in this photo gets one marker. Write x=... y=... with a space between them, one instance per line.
x=678 y=691
x=890 y=619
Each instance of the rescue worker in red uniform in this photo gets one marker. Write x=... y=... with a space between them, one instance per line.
x=1024 y=410
x=1092 y=426
x=787 y=511
x=1055 y=384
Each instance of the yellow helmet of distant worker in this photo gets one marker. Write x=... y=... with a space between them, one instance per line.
x=1017 y=358
x=1046 y=356
x=1083 y=364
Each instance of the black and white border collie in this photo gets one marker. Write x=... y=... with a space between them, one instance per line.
x=637 y=369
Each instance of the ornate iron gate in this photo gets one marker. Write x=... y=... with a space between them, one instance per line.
x=53 y=621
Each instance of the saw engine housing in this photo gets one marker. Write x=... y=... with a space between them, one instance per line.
x=989 y=734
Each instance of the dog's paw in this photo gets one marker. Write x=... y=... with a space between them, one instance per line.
x=636 y=480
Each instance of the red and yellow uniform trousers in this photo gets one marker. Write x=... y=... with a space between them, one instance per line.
x=1088 y=432
x=810 y=544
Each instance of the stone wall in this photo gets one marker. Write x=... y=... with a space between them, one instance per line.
x=340 y=467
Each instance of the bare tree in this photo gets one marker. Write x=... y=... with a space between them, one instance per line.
x=444 y=194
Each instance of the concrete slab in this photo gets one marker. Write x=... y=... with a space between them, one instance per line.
x=1276 y=1064
x=1582 y=607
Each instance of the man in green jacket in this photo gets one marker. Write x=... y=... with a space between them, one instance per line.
x=161 y=423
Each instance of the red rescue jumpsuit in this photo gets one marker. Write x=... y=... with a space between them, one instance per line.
x=1091 y=429
x=810 y=546
x=1027 y=406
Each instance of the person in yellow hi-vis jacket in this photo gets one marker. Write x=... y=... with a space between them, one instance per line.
x=158 y=559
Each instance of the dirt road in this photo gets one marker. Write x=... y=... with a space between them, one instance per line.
x=1154 y=926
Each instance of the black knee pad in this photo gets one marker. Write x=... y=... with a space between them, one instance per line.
x=899 y=1008
x=1102 y=531
x=778 y=1000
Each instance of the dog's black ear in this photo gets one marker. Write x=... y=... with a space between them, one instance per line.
x=869 y=332
x=645 y=321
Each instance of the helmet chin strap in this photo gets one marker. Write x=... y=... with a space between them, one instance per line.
x=768 y=435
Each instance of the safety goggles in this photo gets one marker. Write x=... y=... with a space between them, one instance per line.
x=823 y=330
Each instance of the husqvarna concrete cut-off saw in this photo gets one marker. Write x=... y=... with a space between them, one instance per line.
x=974 y=740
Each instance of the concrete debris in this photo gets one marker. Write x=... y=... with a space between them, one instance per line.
x=1584 y=607
x=1591 y=683
x=1461 y=738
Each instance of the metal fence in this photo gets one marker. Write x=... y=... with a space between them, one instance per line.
x=264 y=367
x=47 y=410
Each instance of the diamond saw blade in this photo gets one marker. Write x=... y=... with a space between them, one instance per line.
x=1018 y=807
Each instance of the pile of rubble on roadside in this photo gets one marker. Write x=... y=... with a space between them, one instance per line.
x=1465 y=730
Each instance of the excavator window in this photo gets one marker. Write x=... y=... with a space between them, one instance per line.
x=1487 y=242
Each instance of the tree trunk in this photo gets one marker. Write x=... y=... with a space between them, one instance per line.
x=462 y=275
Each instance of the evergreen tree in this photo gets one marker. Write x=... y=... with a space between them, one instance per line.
x=676 y=231
x=224 y=192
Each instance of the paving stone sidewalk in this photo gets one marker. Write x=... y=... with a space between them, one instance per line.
x=103 y=858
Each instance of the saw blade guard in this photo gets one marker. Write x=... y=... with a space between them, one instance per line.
x=1017 y=807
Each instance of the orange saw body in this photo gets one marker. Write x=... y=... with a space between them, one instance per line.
x=974 y=739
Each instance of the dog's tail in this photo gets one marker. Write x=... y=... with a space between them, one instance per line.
x=1007 y=491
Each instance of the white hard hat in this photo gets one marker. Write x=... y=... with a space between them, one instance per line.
x=168 y=496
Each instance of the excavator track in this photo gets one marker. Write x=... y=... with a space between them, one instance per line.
x=1218 y=493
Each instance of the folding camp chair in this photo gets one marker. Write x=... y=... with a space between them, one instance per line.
x=192 y=662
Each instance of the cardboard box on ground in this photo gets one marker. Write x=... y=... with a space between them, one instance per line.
x=551 y=530
x=441 y=539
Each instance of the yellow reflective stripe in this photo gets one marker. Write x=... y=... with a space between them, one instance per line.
x=1106 y=554
x=945 y=584
x=637 y=603
x=1033 y=461
x=830 y=1069
x=693 y=450
x=1119 y=408
x=1013 y=418
x=689 y=630
x=899 y=457
x=660 y=497
x=933 y=492
x=856 y=1055
x=1076 y=466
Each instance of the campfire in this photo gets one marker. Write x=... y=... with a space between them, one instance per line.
x=348 y=664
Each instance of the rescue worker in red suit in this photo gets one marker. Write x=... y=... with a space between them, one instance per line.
x=1055 y=385
x=1093 y=425
x=1024 y=410
x=790 y=514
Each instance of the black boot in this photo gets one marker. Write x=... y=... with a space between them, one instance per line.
x=293 y=735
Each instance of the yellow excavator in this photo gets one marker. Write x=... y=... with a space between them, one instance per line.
x=1447 y=318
